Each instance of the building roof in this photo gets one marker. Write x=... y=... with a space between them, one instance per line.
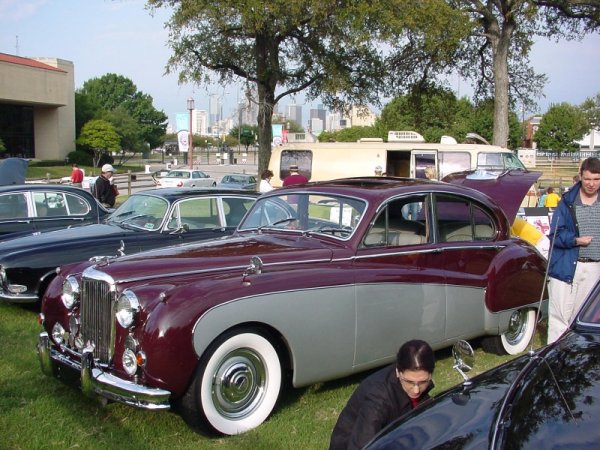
x=12 y=59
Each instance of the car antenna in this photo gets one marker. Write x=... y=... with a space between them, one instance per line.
x=539 y=309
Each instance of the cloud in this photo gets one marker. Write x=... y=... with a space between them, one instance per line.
x=20 y=9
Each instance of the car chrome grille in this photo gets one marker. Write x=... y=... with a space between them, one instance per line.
x=97 y=317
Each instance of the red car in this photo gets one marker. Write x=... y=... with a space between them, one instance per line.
x=320 y=281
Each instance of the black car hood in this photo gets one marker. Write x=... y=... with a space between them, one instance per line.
x=533 y=411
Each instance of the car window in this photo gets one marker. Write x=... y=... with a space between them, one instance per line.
x=401 y=222
x=13 y=206
x=316 y=213
x=142 y=211
x=50 y=204
x=459 y=219
x=235 y=208
x=590 y=314
x=195 y=214
x=76 y=205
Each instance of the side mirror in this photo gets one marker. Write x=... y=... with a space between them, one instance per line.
x=464 y=359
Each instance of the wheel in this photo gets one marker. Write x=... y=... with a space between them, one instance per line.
x=516 y=338
x=236 y=385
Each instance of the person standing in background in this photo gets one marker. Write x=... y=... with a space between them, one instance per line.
x=265 y=181
x=574 y=266
x=104 y=189
x=552 y=198
x=294 y=177
x=76 y=176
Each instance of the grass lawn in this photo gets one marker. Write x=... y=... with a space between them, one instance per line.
x=37 y=411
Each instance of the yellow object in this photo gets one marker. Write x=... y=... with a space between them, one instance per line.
x=531 y=234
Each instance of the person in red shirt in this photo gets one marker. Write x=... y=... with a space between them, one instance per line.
x=294 y=177
x=76 y=176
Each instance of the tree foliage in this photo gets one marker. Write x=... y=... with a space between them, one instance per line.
x=2 y=146
x=330 y=50
x=560 y=127
x=495 y=57
x=113 y=97
x=100 y=137
x=351 y=134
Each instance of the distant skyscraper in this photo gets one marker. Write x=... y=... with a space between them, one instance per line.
x=215 y=109
x=318 y=113
x=294 y=112
x=199 y=122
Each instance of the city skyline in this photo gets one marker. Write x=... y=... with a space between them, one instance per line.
x=122 y=37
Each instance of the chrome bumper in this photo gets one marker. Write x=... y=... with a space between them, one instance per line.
x=18 y=298
x=95 y=382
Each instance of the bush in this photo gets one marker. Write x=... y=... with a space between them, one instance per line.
x=80 y=158
x=47 y=163
x=105 y=159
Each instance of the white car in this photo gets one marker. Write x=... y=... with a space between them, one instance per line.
x=186 y=178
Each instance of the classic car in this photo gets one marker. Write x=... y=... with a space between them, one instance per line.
x=185 y=178
x=30 y=208
x=146 y=220
x=319 y=281
x=238 y=181
x=547 y=398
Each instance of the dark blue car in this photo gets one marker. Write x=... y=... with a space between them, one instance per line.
x=147 y=220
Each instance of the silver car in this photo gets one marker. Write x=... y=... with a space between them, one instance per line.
x=186 y=178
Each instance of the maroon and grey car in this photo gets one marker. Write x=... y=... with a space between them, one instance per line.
x=320 y=281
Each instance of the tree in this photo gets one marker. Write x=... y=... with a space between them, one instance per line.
x=591 y=109
x=111 y=92
x=100 y=136
x=2 y=146
x=496 y=54
x=325 y=49
x=129 y=131
x=351 y=134
x=246 y=135
x=560 y=127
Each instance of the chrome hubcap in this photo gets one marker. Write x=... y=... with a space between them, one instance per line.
x=517 y=326
x=239 y=383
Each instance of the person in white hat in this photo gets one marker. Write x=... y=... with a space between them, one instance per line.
x=104 y=189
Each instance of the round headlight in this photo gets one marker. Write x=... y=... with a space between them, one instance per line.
x=129 y=362
x=70 y=292
x=58 y=333
x=127 y=308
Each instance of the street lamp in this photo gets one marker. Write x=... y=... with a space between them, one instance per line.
x=190 y=107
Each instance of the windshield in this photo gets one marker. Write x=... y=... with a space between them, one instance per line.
x=499 y=161
x=319 y=213
x=142 y=211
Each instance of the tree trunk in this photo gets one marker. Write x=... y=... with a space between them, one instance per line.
x=500 y=39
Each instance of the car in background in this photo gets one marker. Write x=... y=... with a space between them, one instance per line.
x=238 y=181
x=32 y=208
x=320 y=281
x=146 y=220
x=186 y=178
x=547 y=398
x=159 y=174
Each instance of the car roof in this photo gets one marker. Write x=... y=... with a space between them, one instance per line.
x=173 y=194
x=42 y=187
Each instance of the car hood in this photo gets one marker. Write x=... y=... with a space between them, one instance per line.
x=66 y=237
x=508 y=188
x=530 y=401
x=217 y=256
x=13 y=171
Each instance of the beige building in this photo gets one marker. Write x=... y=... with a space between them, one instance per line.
x=37 y=107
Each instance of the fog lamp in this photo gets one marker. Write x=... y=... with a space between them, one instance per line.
x=58 y=333
x=129 y=362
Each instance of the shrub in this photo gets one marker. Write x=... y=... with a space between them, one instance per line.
x=80 y=158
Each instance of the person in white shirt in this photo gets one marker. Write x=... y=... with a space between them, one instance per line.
x=265 y=181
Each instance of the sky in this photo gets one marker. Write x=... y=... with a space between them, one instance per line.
x=122 y=37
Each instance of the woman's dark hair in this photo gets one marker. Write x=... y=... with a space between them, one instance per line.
x=266 y=174
x=415 y=355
